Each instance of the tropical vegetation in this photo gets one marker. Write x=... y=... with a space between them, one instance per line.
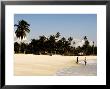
x=52 y=45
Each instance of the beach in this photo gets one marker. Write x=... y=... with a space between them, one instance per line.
x=55 y=65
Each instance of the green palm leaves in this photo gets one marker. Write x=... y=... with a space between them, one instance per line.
x=22 y=29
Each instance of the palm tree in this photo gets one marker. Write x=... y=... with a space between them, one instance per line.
x=63 y=45
x=85 y=38
x=16 y=47
x=22 y=29
x=35 y=46
x=23 y=47
x=74 y=46
x=93 y=47
x=86 y=44
x=70 y=39
x=57 y=35
x=95 y=50
x=52 y=44
x=56 y=42
x=42 y=40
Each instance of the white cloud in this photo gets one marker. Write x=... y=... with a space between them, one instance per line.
x=80 y=42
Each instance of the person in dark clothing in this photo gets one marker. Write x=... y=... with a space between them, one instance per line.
x=77 y=60
x=85 y=61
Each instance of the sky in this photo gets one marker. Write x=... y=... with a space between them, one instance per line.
x=74 y=25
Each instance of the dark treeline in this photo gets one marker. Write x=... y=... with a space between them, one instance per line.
x=50 y=45
x=53 y=45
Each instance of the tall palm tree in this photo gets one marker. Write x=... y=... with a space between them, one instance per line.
x=22 y=29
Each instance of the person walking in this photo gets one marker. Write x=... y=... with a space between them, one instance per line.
x=77 y=61
x=85 y=61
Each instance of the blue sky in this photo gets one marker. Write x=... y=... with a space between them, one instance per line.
x=75 y=25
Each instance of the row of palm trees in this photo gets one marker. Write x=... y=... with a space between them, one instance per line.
x=54 y=44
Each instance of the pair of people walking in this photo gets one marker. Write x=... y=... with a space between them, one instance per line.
x=85 y=61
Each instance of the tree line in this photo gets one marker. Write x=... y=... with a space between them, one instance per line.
x=54 y=44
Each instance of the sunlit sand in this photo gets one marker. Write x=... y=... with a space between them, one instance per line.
x=45 y=65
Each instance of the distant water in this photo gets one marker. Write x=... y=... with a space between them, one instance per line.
x=89 y=70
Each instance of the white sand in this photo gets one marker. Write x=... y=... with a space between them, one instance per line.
x=44 y=65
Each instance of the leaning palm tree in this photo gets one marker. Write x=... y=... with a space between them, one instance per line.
x=22 y=29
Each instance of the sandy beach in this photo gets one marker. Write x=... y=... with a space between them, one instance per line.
x=55 y=65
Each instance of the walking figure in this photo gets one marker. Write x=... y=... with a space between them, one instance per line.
x=77 y=60
x=85 y=61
